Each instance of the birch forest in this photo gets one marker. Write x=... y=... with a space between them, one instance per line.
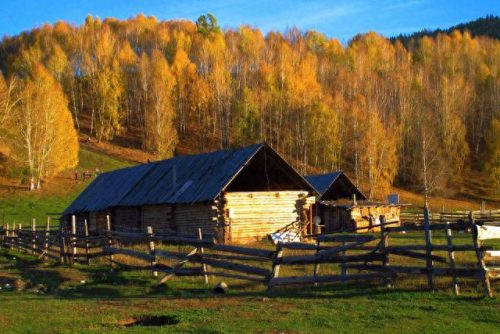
x=418 y=116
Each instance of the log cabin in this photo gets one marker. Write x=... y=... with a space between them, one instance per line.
x=235 y=196
x=341 y=206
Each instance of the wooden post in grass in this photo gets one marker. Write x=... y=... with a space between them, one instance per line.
x=343 y=270
x=87 y=246
x=384 y=243
x=201 y=251
x=62 y=244
x=110 y=239
x=6 y=240
x=149 y=231
x=451 y=258
x=18 y=237
x=480 y=260
x=46 y=237
x=33 y=236
x=73 y=239
x=428 y=250
x=316 y=264
x=275 y=271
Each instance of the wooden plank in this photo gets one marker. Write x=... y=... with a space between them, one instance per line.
x=434 y=248
x=342 y=248
x=233 y=266
x=151 y=247
x=416 y=255
x=451 y=258
x=428 y=250
x=299 y=246
x=459 y=272
x=312 y=259
x=324 y=279
x=243 y=250
x=384 y=244
x=170 y=254
x=458 y=226
x=201 y=251
x=345 y=238
x=237 y=276
x=179 y=265
x=185 y=241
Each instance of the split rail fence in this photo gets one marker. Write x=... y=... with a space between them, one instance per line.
x=358 y=257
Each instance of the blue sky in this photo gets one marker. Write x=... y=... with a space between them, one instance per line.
x=340 y=18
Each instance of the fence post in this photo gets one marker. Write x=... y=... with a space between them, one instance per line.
x=276 y=265
x=33 y=236
x=6 y=240
x=343 y=271
x=384 y=238
x=62 y=243
x=480 y=261
x=18 y=237
x=316 y=264
x=201 y=251
x=428 y=250
x=73 y=239
x=86 y=232
x=451 y=258
x=152 y=252
x=46 y=237
x=110 y=240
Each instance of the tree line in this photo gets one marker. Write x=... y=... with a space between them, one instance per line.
x=418 y=116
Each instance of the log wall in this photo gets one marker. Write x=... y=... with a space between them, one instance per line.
x=254 y=215
x=189 y=217
x=159 y=217
x=352 y=218
x=126 y=218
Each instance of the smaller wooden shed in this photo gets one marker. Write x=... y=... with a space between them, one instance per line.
x=341 y=206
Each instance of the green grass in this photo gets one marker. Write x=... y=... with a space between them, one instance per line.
x=20 y=206
x=93 y=299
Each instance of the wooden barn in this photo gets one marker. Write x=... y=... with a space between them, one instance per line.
x=233 y=195
x=341 y=206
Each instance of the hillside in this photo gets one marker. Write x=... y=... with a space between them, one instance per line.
x=488 y=26
x=19 y=205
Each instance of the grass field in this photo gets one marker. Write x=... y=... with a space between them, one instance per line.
x=20 y=205
x=93 y=299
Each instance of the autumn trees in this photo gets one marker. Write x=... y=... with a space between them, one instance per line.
x=38 y=126
x=418 y=116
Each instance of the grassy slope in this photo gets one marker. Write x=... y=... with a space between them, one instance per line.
x=20 y=205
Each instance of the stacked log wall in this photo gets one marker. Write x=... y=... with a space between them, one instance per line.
x=190 y=217
x=159 y=217
x=254 y=215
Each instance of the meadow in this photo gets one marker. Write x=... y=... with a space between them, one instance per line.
x=53 y=298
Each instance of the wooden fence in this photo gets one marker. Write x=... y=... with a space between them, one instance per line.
x=359 y=257
x=417 y=217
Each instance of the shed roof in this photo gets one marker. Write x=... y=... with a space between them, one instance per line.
x=183 y=179
x=335 y=185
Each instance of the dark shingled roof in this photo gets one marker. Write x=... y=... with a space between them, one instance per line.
x=183 y=179
x=323 y=181
x=333 y=186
